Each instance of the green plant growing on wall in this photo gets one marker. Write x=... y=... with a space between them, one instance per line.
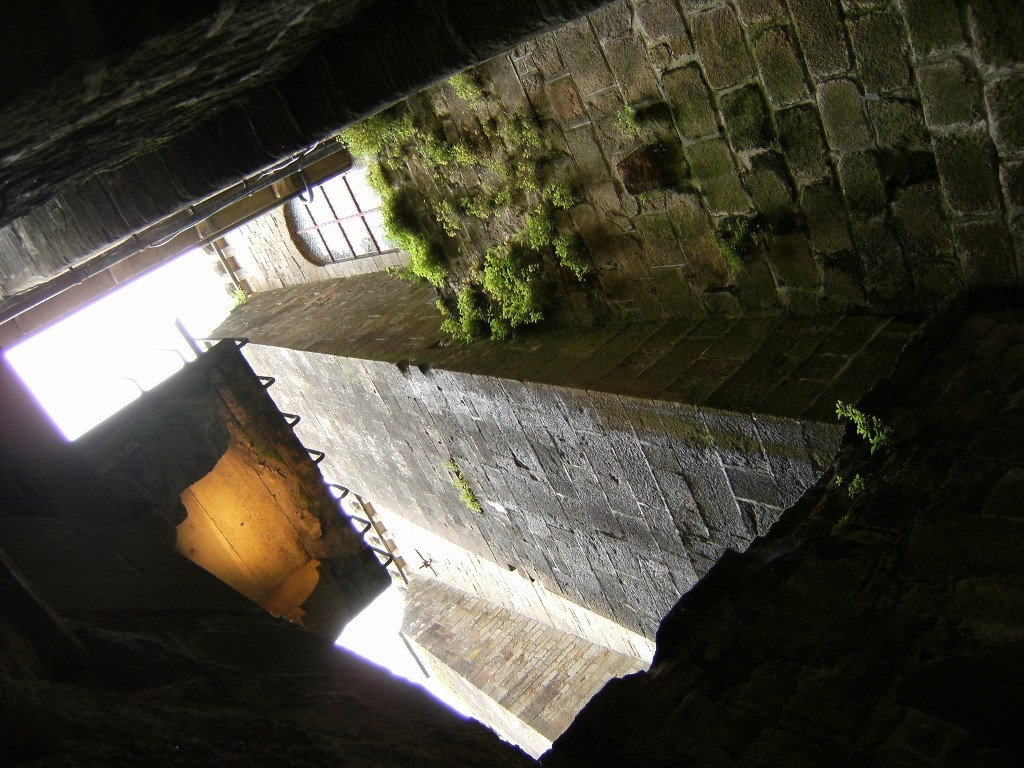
x=559 y=195
x=569 y=251
x=512 y=280
x=738 y=238
x=463 y=487
x=446 y=216
x=871 y=428
x=854 y=488
x=625 y=119
x=466 y=88
x=239 y=297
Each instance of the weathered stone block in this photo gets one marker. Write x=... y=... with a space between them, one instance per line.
x=780 y=67
x=1007 y=107
x=826 y=218
x=660 y=20
x=690 y=101
x=898 y=125
x=1012 y=176
x=842 y=114
x=755 y=287
x=967 y=162
x=820 y=29
x=761 y=11
x=565 y=101
x=950 y=93
x=878 y=42
x=713 y=167
x=920 y=219
x=632 y=70
x=611 y=21
x=842 y=278
x=746 y=118
x=999 y=30
x=885 y=273
x=581 y=53
x=769 y=187
x=719 y=42
x=802 y=142
x=861 y=183
x=934 y=25
x=792 y=262
x=584 y=149
x=987 y=253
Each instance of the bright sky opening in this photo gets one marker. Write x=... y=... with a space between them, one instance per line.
x=84 y=368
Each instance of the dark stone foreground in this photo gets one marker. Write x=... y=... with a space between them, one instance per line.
x=885 y=629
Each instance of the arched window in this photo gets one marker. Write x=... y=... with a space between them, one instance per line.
x=341 y=223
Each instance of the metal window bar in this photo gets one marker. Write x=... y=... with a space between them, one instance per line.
x=337 y=221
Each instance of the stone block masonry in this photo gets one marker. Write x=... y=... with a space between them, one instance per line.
x=521 y=675
x=816 y=120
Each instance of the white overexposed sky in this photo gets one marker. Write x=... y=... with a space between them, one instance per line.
x=76 y=369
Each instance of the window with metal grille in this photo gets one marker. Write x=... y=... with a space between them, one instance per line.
x=342 y=221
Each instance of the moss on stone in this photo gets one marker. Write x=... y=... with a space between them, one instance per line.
x=842 y=114
x=878 y=44
x=986 y=253
x=780 y=68
x=690 y=101
x=769 y=187
x=966 y=163
x=826 y=218
x=820 y=29
x=713 y=166
x=746 y=118
x=801 y=141
x=950 y=93
x=934 y=24
x=1006 y=100
x=719 y=41
x=861 y=182
x=898 y=125
x=999 y=28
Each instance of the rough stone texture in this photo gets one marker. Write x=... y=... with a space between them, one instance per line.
x=577 y=467
x=834 y=88
x=537 y=676
x=883 y=628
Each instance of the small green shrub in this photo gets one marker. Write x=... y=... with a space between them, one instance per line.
x=463 y=487
x=560 y=196
x=466 y=88
x=569 y=251
x=513 y=282
x=239 y=297
x=871 y=428
x=540 y=229
x=379 y=135
x=854 y=488
x=448 y=218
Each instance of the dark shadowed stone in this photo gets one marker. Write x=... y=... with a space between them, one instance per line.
x=999 y=30
x=861 y=183
x=746 y=118
x=966 y=163
x=649 y=168
x=1004 y=99
x=934 y=24
x=987 y=253
x=950 y=92
x=802 y=143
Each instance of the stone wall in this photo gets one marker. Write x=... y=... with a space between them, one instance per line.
x=191 y=104
x=538 y=676
x=267 y=257
x=879 y=629
x=877 y=143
